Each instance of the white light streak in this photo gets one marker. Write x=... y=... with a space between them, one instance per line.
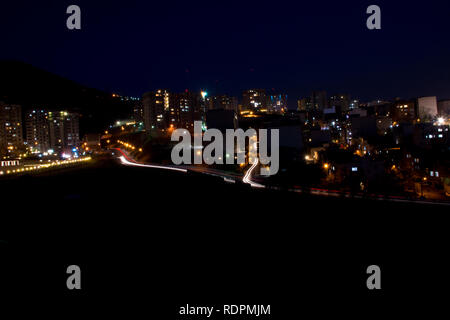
x=246 y=178
x=129 y=163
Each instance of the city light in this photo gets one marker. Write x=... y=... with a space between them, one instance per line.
x=129 y=163
x=56 y=163
x=248 y=174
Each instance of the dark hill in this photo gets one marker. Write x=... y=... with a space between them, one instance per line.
x=29 y=86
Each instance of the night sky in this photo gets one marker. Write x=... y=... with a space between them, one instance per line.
x=130 y=47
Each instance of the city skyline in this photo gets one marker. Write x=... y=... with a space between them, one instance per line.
x=298 y=47
x=164 y=158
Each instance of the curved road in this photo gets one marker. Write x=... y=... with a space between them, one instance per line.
x=126 y=160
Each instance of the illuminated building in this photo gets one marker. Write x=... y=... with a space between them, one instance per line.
x=404 y=111
x=341 y=102
x=354 y=104
x=420 y=109
x=383 y=124
x=277 y=103
x=304 y=104
x=427 y=134
x=157 y=110
x=64 y=130
x=138 y=112
x=254 y=99
x=163 y=110
x=37 y=130
x=11 y=136
x=188 y=107
x=222 y=102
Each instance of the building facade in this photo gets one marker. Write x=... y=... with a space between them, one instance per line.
x=163 y=110
x=222 y=102
x=277 y=103
x=444 y=107
x=11 y=131
x=341 y=102
x=404 y=111
x=37 y=130
x=157 y=109
x=64 y=130
x=319 y=100
x=304 y=104
x=254 y=99
x=427 y=107
x=190 y=107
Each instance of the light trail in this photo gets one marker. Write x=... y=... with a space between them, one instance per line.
x=246 y=178
x=129 y=163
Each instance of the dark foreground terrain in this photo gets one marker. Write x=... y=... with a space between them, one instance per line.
x=149 y=241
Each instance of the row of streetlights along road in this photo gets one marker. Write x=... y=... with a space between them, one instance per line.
x=44 y=166
x=128 y=145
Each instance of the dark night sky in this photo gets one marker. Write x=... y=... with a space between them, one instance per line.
x=130 y=47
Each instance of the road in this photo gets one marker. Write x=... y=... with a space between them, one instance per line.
x=126 y=160
x=228 y=177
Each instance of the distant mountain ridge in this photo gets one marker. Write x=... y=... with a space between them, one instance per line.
x=24 y=84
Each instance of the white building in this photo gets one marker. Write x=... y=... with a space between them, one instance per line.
x=427 y=107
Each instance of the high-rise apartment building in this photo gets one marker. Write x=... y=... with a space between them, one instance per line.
x=254 y=99
x=222 y=102
x=189 y=107
x=64 y=130
x=404 y=111
x=164 y=110
x=37 y=130
x=11 y=131
x=157 y=109
x=304 y=104
x=341 y=102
